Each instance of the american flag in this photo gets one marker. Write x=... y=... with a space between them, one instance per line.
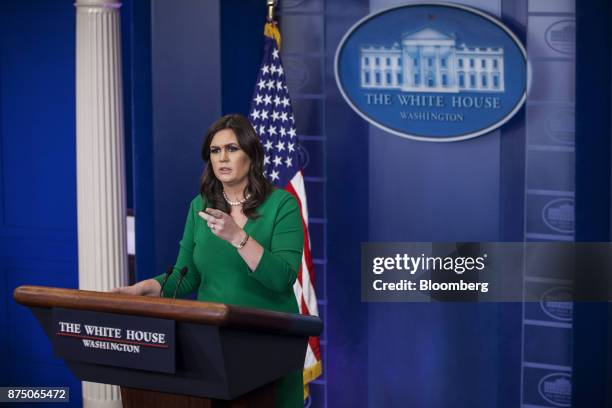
x=271 y=115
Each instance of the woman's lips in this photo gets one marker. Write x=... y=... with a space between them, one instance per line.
x=225 y=170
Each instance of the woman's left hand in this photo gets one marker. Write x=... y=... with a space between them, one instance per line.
x=222 y=225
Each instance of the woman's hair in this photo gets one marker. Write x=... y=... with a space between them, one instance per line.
x=258 y=187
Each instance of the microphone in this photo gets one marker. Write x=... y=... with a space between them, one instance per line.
x=168 y=273
x=178 y=285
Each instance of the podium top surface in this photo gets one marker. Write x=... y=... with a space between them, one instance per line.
x=209 y=313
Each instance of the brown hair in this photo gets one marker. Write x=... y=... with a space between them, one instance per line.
x=258 y=187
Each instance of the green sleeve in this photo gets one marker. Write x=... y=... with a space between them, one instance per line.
x=278 y=267
x=191 y=281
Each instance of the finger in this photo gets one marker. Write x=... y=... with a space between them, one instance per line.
x=205 y=216
x=215 y=213
x=214 y=228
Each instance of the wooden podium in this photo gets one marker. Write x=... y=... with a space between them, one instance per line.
x=226 y=356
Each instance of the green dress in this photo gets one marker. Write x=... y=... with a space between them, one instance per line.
x=219 y=274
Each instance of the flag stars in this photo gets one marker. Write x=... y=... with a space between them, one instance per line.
x=272 y=116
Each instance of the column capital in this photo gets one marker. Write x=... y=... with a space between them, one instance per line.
x=113 y=4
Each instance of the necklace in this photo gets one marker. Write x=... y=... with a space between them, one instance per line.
x=235 y=203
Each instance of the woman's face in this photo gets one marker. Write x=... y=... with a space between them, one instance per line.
x=229 y=162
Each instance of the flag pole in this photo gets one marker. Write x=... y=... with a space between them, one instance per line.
x=271 y=115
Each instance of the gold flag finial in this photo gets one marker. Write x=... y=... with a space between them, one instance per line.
x=271 y=5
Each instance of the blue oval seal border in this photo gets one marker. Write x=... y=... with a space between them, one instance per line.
x=488 y=95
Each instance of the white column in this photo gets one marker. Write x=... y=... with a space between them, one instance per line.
x=406 y=67
x=100 y=161
x=438 y=81
x=422 y=68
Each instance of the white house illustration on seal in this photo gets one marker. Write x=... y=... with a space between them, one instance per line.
x=430 y=61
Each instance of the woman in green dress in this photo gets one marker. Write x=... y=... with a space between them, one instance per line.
x=243 y=238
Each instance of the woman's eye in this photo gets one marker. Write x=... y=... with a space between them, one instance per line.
x=232 y=148
x=213 y=151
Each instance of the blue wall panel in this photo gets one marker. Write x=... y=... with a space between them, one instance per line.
x=347 y=200
x=38 y=179
x=38 y=143
x=242 y=44
x=5 y=300
x=37 y=348
x=141 y=137
x=437 y=191
x=592 y=343
x=186 y=99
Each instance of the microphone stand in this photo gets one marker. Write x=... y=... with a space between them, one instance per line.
x=168 y=273
x=178 y=285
